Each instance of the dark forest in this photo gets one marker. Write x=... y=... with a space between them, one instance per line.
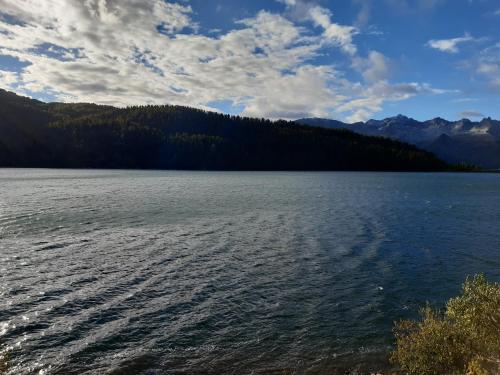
x=56 y=135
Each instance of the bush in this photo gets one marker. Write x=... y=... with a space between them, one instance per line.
x=463 y=340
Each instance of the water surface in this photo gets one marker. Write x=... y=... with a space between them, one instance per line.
x=245 y=273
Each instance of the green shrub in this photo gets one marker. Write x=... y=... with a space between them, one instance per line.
x=463 y=340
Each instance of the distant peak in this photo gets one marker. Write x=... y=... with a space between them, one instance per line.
x=440 y=119
x=399 y=117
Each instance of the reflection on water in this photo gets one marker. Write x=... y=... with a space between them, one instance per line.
x=185 y=272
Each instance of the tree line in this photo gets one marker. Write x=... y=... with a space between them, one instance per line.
x=37 y=134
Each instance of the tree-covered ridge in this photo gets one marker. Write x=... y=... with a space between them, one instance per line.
x=37 y=134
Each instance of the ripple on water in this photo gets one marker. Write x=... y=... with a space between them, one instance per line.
x=229 y=272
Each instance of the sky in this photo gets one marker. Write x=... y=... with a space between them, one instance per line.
x=350 y=60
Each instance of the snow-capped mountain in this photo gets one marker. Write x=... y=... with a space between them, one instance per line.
x=461 y=141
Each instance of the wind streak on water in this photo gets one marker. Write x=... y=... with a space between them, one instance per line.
x=184 y=272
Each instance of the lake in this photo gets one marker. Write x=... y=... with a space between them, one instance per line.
x=154 y=272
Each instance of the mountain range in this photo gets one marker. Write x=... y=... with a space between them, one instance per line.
x=81 y=135
x=464 y=141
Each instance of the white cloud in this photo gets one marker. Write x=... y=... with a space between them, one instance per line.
x=465 y=100
x=125 y=52
x=484 y=67
x=370 y=99
x=487 y=65
x=491 y=70
x=364 y=13
x=471 y=114
x=411 y=6
x=374 y=68
x=340 y=35
x=449 y=45
x=9 y=79
x=335 y=33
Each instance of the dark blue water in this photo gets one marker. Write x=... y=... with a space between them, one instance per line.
x=184 y=272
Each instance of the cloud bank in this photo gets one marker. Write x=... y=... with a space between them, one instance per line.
x=125 y=52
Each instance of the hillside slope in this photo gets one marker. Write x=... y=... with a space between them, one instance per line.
x=37 y=134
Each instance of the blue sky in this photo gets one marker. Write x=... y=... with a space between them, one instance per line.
x=346 y=59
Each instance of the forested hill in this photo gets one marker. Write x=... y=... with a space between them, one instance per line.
x=37 y=134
